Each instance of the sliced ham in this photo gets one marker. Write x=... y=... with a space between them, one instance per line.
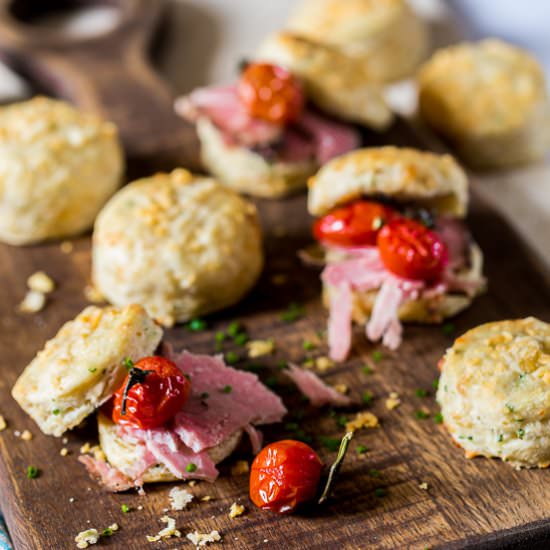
x=315 y=389
x=108 y=477
x=339 y=322
x=235 y=400
x=312 y=136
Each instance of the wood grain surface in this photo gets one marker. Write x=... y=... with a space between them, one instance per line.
x=469 y=503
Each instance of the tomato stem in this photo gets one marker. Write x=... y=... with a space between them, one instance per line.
x=335 y=468
x=135 y=376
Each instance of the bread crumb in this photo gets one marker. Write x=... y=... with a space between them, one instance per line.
x=71 y=499
x=40 y=282
x=114 y=527
x=341 y=388
x=92 y=294
x=423 y=486
x=33 y=302
x=279 y=279
x=239 y=468
x=323 y=363
x=363 y=419
x=86 y=448
x=3 y=423
x=66 y=247
x=26 y=435
x=98 y=453
x=140 y=507
x=87 y=537
x=179 y=498
x=192 y=483
x=257 y=348
x=64 y=451
x=65 y=440
x=393 y=401
x=206 y=498
x=201 y=539
x=169 y=531
x=236 y=510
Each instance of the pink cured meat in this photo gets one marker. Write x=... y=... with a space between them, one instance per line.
x=108 y=477
x=235 y=400
x=315 y=389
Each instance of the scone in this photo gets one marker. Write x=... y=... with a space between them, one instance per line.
x=58 y=167
x=82 y=365
x=179 y=244
x=289 y=113
x=489 y=100
x=395 y=245
x=494 y=392
x=386 y=35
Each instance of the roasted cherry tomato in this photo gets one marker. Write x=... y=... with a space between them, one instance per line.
x=271 y=93
x=356 y=224
x=153 y=392
x=283 y=475
x=410 y=250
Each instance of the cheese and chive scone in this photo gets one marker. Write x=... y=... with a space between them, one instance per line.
x=426 y=188
x=494 y=392
x=83 y=365
x=386 y=35
x=179 y=244
x=58 y=167
x=489 y=100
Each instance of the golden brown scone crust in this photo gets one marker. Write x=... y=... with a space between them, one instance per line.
x=405 y=175
x=338 y=83
x=179 y=244
x=386 y=35
x=490 y=100
x=494 y=391
x=248 y=172
x=82 y=366
x=122 y=455
x=423 y=310
x=58 y=167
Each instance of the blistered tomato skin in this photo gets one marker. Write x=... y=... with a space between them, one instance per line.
x=158 y=396
x=356 y=224
x=410 y=250
x=271 y=93
x=284 y=475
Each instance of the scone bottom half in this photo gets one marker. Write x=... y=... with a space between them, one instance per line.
x=82 y=366
x=494 y=392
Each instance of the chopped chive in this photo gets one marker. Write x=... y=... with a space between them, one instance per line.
x=271 y=382
x=377 y=355
x=128 y=363
x=500 y=438
x=367 y=370
x=362 y=449
x=204 y=395
x=521 y=433
x=125 y=508
x=227 y=389
x=220 y=336
x=421 y=415
x=420 y=392
x=281 y=365
x=379 y=492
x=56 y=411
x=32 y=472
x=367 y=397
x=330 y=443
x=448 y=329
x=293 y=312
x=375 y=473
x=234 y=328
x=231 y=357
x=197 y=325
x=435 y=384
x=191 y=467
x=510 y=407
x=438 y=418
x=107 y=532
x=308 y=346
x=92 y=369
x=241 y=339
x=342 y=421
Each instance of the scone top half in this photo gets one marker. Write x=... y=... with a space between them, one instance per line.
x=83 y=365
x=394 y=241
x=494 y=391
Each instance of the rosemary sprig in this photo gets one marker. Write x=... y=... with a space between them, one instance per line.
x=335 y=468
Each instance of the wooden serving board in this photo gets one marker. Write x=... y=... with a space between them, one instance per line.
x=469 y=503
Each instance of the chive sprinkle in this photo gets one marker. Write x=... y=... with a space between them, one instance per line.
x=308 y=346
x=448 y=329
x=342 y=421
x=231 y=357
x=421 y=415
x=362 y=449
x=521 y=433
x=435 y=384
x=220 y=336
x=293 y=313
x=227 y=389
x=367 y=370
x=32 y=472
x=125 y=508
x=191 y=467
x=92 y=369
x=380 y=492
x=367 y=397
x=375 y=473
x=241 y=339
x=56 y=411
x=438 y=418
x=377 y=355
x=204 y=395
x=330 y=443
x=128 y=363
x=197 y=325
x=234 y=328
x=420 y=392
x=107 y=532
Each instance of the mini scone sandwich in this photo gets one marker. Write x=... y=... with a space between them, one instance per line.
x=489 y=100
x=396 y=248
x=160 y=417
x=494 y=392
x=267 y=133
